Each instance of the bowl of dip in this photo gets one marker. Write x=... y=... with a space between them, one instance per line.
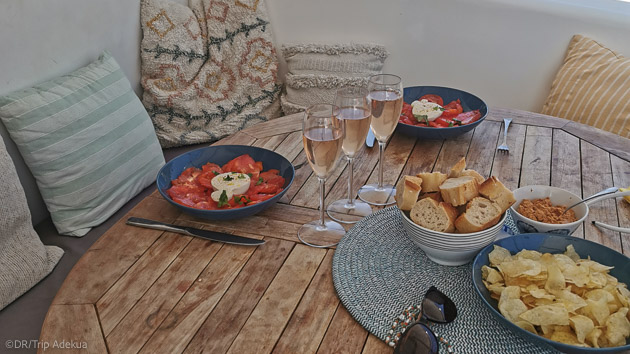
x=538 y=209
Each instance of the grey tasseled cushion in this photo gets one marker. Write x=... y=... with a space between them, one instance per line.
x=24 y=260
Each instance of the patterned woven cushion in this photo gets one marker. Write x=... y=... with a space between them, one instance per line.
x=315 y=71
x=208 y=70
x=24 y=260
x=88 y=141
x=592 y=87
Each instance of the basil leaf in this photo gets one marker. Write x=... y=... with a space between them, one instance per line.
x=223 y=199
x=260 y=180
x=250 y=175
x=228 y=178
x=216 y=173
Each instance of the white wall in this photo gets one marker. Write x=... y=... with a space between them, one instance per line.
x=505 y=51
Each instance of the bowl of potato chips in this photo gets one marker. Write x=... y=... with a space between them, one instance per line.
x=558 y=290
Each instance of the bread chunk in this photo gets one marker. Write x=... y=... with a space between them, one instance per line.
x=435 y=216
x=480 y=214
x=458 y=191
x=494 y=190
x=407 y=191
x=472 y=173
x=433 y=195
x=457 y=169
x=431 y=181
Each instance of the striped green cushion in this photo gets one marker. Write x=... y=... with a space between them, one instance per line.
x=88 y=141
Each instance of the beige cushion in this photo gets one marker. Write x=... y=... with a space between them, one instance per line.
x=592 y=87
x=24 y=260
x=315 y=71
x=208 y=70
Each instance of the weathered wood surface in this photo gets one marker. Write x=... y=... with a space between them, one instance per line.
x=141 y=290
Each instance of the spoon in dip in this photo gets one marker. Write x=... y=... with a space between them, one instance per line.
x=606 y=191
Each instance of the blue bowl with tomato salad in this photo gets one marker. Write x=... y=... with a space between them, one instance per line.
x=220 y=155
x=470 y=105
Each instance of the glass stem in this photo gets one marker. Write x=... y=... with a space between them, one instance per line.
x=381 y=149
x=322 y=186
x=350 y=180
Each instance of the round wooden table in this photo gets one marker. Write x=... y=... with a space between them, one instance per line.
x=142 y=290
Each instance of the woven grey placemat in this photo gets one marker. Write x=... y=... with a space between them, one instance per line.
x=378 y=272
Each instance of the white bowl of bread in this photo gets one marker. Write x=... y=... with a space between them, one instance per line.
x=451 y=217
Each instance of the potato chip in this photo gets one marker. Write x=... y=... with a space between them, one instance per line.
x=623 y=295
x=597 y=310
x=582 y=326
x=498 y=255
x=528 y=254
x=546 y=315
x=598 y=294
x=555 y=279
x=594 y=338
x=573 y=273
x=540 y=293
x=571 y=301
x=570 y=252
x=618 y=327
x=491 y=275
x=526 y=326
x=510 y=292
x=512 y=308
x=566 y=338
x=518 y=267
x=595 y=267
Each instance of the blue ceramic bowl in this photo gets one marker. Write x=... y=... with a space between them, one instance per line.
x=468 y=100
x=549 y=243
x=220 y=155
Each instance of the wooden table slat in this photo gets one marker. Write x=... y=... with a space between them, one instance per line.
x=597 y=176
x=226 y=320
x=181 y=324
x=536 y=165
x=121 y=297
x=139 y=324
x=266 y=323
x=313 y=314
x=72 y=324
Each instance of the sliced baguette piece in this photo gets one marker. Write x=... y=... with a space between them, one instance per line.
x=480 y=214
x=458 y=191
x=407 y=191
x=494 y=190
x=435 y=216
x=437 y=196
x=457 y=169
x=431 y=181
x=472 y=173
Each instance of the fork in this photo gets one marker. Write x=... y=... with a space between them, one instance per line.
x=504 y=146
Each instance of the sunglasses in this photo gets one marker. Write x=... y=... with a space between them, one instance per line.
x=417 y=337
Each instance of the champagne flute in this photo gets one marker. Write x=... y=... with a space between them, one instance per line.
x=354 y=111
x=322 y=135
x=385 y=92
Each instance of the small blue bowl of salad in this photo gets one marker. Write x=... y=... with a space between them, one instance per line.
x=436 y=112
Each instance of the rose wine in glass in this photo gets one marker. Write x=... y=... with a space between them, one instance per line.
x=322 y=135
x=355 y=114
x=386 y=97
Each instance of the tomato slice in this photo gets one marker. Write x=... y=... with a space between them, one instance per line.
x=433 y=98
x=187 y=176
x=212 y=167
x=468 y=117
x=205 y=178
x=452 y=109
x=243 y=164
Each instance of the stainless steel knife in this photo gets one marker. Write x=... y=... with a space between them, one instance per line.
x=191 y=231
x=369 y=140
